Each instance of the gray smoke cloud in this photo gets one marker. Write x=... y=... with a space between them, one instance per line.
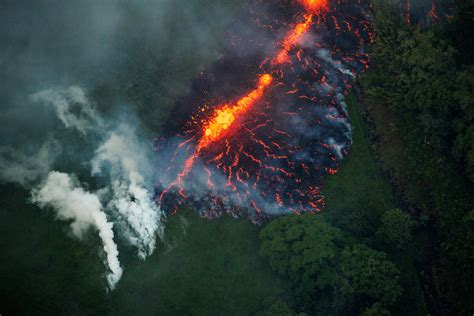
x=84 y=209
x=72 y=108
x=144 y=50
x=25 y=167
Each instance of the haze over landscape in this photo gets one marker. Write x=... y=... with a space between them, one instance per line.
x=288 y=157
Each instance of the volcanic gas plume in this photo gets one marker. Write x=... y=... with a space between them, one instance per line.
x=263 y=149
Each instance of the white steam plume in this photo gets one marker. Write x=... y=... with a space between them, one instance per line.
x=127 y=162
x=121 y=157
x=72 y=203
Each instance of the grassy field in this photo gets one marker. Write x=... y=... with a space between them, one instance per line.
x=203 y=268
x=357 y=195
x=42 y=270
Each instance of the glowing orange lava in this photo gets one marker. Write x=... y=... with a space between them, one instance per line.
x=292 y=39
x=226 y=115
x=300 y=29
x=314 y=6
x=223 y=118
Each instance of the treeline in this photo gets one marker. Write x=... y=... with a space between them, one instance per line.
x=329 y=271
x=423 y=78
x=419 y=99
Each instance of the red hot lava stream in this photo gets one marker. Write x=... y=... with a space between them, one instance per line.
x=225 y=116
x=222 y=119
x=264 y=153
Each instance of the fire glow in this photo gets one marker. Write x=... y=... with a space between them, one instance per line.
x=225 y=116
x=265 y=152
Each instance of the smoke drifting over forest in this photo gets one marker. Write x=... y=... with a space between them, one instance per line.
x=78 y=79
x=87 y=85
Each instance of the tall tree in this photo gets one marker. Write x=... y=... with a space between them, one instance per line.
x=304 y=248
x=370 y=275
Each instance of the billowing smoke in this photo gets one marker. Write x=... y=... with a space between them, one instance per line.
x=122 y=156
x=116 y=157
x=84 y=209
x=86 y=85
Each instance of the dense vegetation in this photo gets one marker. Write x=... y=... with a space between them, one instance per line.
x=367 y=254
x=424 y=77
x=356 y=256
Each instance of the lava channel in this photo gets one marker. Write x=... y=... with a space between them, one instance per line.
x=265 y=153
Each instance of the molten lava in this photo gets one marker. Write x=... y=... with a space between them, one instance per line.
x=266 y=153
x=292 y=39
x=225 y=116
x=314 y=6
x=294 y=36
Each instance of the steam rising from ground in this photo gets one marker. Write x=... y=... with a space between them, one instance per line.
x=119 y=158
x=64 y=102
x=54 y=59
x=127 y=165
x=84 y=209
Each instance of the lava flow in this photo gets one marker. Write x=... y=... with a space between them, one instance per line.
x=265 y=153
x=225 y=116
x=312 y=7
x=220 y=122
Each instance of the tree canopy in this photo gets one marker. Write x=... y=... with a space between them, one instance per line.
x=396 y=229
x=327 y=266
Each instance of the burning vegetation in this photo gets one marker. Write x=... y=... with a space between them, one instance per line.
x=265 y=123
